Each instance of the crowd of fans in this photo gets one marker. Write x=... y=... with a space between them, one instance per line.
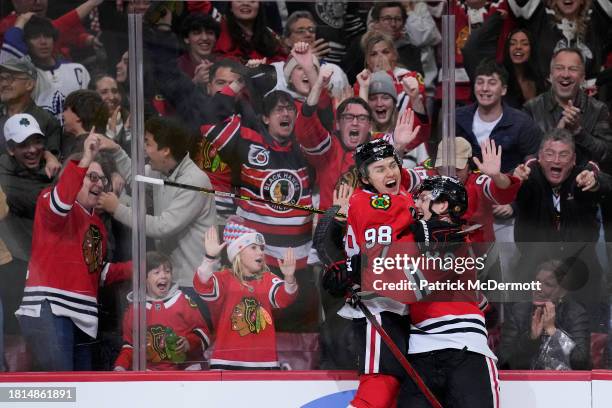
x=269 y=101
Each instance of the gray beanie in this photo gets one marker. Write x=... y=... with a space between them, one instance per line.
x=381 y=82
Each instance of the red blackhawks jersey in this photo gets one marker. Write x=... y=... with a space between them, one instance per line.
x=374 y=221
x=68 y=251
x=272 y=171
x=175 y=313
x=326 y=153
x=377 y=221
x=448 y=325
x=242 y=317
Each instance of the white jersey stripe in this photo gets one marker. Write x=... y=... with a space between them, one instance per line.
x=494 y=380
x=61 y=206
x=319 y=149
x=216 y=361
x=264 y=219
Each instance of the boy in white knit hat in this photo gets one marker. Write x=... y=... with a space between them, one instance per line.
x=241 y=298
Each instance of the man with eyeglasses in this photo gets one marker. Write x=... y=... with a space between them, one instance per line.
x=556 y=208
x=23 y=177
x=567 y=106
x=331 y=154
x=17 y=80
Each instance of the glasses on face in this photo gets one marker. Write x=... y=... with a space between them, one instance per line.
x=10 y=78
x=95 y=177
x=389 y=19
x=304 y=30
x=349 y=117
x=551 y=155
x=280 y=109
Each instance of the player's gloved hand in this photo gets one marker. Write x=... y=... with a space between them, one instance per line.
x=341 y=276
x=336 y=279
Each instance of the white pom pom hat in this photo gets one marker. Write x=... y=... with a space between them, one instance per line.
x=237 y=236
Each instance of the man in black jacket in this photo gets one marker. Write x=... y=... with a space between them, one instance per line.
x=557 y=212
x=551 y=332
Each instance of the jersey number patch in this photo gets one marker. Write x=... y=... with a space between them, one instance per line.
x=381 y=235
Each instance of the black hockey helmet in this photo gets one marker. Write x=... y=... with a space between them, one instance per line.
x=444 y=188
x=372 y=151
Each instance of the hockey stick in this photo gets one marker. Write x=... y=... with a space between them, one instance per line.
x=396 y=352
x=161 y=182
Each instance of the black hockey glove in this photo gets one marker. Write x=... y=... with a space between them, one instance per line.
x=341 y=276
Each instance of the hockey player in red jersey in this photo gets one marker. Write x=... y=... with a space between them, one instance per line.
x=448 y=340
x=379 y=213
x=382 y=219
x=177 y=334
x=241 y=298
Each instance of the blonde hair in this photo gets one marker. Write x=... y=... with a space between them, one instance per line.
x=582 y=20
x=373 y=37
x=238 y=270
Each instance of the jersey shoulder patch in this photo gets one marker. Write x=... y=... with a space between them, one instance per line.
x=380 y=201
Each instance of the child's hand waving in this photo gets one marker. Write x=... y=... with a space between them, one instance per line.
x=287 y=266
x=212 y=248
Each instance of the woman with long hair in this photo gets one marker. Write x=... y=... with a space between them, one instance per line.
x=525 y=81
x=241 y=298
x=556 y=24
x=245 y=34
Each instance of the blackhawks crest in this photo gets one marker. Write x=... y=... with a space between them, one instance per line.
x=350 y=177
x=249 y=317
x=161 y=345
x=92 y=249
x=380 y=202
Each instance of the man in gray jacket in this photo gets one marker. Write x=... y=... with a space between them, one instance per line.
x=567 y=106
x=181 y=217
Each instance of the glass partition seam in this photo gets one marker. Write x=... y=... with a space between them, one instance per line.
x=135 y=56
x=448 y=91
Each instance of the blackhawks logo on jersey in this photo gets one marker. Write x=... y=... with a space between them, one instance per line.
x=92 y=249
x=249 y=317
x=380 y=202
x=162 y=345
x=350 y=177
x=282 y=187
x=207 y=158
